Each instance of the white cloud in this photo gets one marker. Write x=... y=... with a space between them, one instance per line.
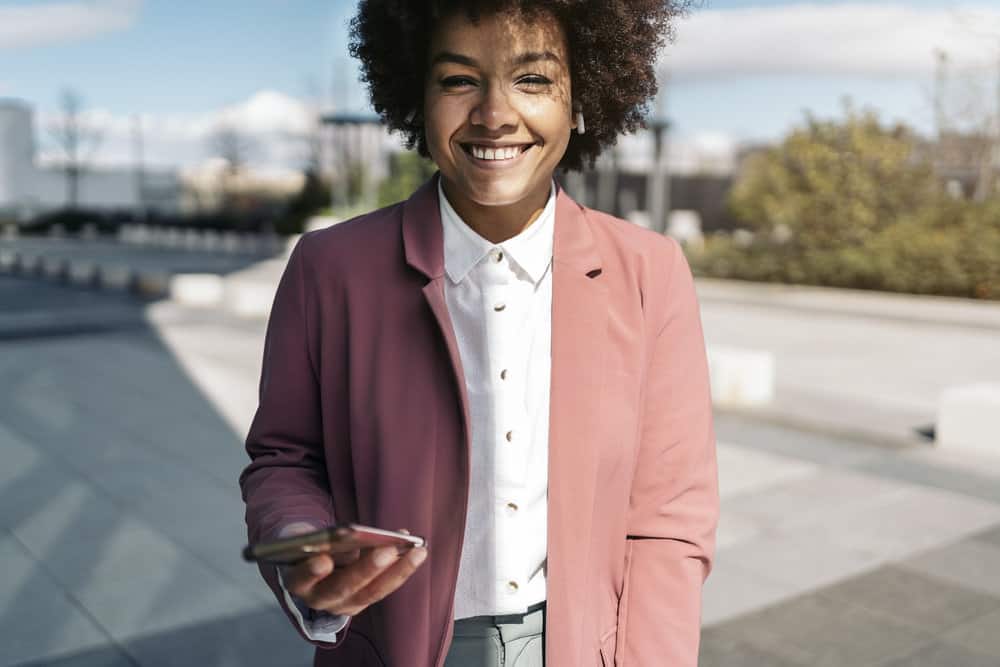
x=56 y=22
x=274 y=122
x=869 y=39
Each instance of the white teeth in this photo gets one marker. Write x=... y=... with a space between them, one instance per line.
x=505 y=153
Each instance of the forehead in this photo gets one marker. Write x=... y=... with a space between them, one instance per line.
x=499 y=37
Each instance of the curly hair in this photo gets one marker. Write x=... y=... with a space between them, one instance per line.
x=613 y=46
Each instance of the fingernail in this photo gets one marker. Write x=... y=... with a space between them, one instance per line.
x=385 y=556
x=417 y=556
x=317 y=567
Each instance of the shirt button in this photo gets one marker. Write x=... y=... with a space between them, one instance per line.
x=499 y=307
x=512 y=587
x=510 y=436
x=511 y=509
x=497 y=255
x=503 y=374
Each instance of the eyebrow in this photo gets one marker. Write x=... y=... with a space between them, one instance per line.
x=521 y=59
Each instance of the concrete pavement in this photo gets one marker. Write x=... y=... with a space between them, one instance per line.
x=120 y=518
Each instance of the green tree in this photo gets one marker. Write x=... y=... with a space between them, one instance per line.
x=311 y=198
x=835 y=183
x=407 y=172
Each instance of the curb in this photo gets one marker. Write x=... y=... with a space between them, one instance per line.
x=246 y=298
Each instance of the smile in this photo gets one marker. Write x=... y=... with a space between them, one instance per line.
x=495 y=153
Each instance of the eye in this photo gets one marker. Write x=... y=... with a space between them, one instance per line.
x=534 y=81
x=453 y=82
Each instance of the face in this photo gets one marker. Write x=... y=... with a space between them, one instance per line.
x=497 y=109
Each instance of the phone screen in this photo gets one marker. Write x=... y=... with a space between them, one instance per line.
x=338 y=539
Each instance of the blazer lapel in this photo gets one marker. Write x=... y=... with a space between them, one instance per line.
x=423 y=246
x=579 y=333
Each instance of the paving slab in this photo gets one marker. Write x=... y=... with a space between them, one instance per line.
x=107 y=656
x=812 y=498
x=134 y=581
x=722 y=653
x=969 y=563
x=732 y=591
x=941 y=654
x=991 y=536
x=923 y=602
x=792 y=442
x=816 y=630
x=917 y=467
x=743 y=470
x=980 y=634
x=261 y=638
x=37 y=618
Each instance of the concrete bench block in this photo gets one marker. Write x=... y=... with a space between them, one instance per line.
x=53 y=268
x=152 y=283
x=115 y=277
x=969 y=418
x=249 y=243
x=29 y=263
x=250 y=298
x=82 y=272
x=8 y=260
x=193 y=240
x=230 y=242
x=741 y=377
x=200 y=290
x=211 y=240
x=174 y=237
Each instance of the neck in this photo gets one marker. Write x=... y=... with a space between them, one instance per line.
x=496 y=224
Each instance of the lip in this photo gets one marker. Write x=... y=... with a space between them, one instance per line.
x=493 y=165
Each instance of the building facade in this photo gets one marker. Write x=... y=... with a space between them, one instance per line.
x=28 y=189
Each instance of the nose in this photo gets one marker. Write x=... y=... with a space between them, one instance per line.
x=493 y=110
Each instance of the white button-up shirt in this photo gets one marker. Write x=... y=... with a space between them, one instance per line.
x=499 y=297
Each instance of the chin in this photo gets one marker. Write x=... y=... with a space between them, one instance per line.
x=500 y=193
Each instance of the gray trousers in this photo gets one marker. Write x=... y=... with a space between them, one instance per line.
x=517 y=640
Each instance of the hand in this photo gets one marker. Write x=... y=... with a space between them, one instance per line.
x=351 y=584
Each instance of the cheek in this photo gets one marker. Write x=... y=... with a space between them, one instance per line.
x=552 y=122
x=442 y=118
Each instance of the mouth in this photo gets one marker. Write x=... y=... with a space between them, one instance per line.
x=496 y=155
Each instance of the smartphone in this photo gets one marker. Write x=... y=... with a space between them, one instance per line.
x=336 y=539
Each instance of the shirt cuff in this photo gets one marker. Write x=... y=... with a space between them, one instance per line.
x=316 y=625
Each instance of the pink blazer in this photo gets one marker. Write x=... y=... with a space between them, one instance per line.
x=363 y=417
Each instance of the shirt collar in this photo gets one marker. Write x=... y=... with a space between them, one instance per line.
x=531 y=249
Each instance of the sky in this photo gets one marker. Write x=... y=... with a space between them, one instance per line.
x=738 y=70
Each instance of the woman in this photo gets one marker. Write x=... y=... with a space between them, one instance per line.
x=518 y=379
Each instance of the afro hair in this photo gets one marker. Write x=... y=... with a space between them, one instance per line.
x=613 y=47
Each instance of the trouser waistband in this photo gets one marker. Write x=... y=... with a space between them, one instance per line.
x=509 y=626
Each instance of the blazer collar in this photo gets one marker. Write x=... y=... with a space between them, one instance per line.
x=423 y=235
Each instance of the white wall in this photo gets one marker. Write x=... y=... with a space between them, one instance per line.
x=27 y=190
x=17 y=151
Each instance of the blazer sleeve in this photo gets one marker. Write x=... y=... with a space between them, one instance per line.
x=286 y=480
x=674 y=502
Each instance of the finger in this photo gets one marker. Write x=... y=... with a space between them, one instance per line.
x=296 y=528
x=385 y=583
x=330 y=593
x=301 y=578
x=347 y=557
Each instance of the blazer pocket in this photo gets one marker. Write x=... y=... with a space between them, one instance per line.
x=608 y=647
